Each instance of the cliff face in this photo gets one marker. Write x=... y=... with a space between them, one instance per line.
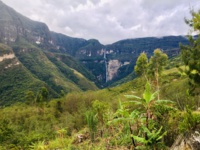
x=7 y=55
x=191 y=142
x=112 y=68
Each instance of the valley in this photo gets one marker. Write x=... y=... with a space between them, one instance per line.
x=69 y=93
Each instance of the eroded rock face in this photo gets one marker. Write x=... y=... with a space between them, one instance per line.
x=7 y=56
x=113 y=66
x=192 y=142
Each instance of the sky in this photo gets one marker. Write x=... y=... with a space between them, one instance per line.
x=109 y=20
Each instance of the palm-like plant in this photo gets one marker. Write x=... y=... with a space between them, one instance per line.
x=147 y=102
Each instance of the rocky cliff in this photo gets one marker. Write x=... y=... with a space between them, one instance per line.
x=189 y=142
x=99 y=58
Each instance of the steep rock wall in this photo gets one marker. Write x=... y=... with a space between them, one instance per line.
x=112 y=68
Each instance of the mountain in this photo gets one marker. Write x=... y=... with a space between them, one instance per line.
x=64 y=64
x=26 y=63
x=14 y=26
x=110 y=63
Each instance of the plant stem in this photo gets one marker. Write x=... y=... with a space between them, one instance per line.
x=132 y=139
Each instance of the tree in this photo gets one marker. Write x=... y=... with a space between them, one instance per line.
x=191 y=53
x=141 y=64
x=43 y=95
x=156 y=65
x=30 y=97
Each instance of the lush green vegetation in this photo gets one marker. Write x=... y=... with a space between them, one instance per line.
x=58 y=123
x=29 y=69
x=15 y=79
x=70 y=67
x=149 y=112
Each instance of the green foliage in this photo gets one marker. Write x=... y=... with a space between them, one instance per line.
x=154 y=138
x=30 y=126
x=30 y=97
x=157 y=62
x=6 y=131
x=141 y=64
x=73 y=70
x=38 y=146
x=40 y=66
x=42 y=95
x=191 y=53
x=34 y=76
x=189 y=122
x=148 y=102
x=101 y=109
x=91 y=119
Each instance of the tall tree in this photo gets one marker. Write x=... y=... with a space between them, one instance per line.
x=191 y=53
x=141 y=65
x=156 y=65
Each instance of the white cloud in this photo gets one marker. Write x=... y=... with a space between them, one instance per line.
x=109 y=20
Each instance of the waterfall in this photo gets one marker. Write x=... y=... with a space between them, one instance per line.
x=106 y=65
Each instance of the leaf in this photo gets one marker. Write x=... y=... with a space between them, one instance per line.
x=140 y=139
x=160 y=137
x=147 y=93
x=146 y=130
x=132 y=96
x=134 y=102
x=154 y=95
x=164 y=102
x=134 y=114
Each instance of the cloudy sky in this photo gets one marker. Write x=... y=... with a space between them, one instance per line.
x=109 y=20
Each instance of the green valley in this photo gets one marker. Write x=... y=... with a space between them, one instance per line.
x=64 y=93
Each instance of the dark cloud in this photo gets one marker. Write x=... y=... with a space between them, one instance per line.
x=109 y=20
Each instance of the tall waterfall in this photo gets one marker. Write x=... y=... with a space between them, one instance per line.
x=106 y=66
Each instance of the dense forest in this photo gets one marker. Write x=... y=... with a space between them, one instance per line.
x=156 y=110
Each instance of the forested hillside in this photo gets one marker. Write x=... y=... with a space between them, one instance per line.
x=26 y=64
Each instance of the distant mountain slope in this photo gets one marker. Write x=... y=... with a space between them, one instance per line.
x=38 y=64
x=66 y=44
x=71 y=70
x=15 y=79
x=148 y=44
x=14 y=25
x=24 y=65
x=115 y=61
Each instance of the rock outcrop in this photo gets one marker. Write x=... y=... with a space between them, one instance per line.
x=190 y=142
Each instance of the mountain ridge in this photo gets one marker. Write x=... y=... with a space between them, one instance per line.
x=27 y=41
x=68 y=64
